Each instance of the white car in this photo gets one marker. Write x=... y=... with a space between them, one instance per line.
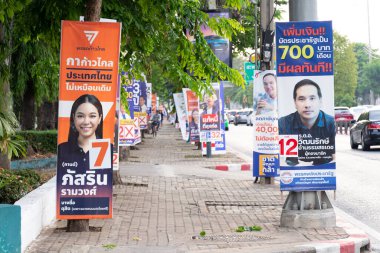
x=250 y=119
x=357 y=110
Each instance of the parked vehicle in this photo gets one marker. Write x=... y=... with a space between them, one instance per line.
x=231 y=115
x=366 y=131
x=343 y=114
x=241 y=117
x=357 y=110
x=250 y=119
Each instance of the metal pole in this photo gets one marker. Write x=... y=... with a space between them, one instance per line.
x=208 y=149
x=303 y=10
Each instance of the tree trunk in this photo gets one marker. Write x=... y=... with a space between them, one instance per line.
x=5 y=163
x=93 y=9
x=28 y=116
x=78 y=226
x=46 y=116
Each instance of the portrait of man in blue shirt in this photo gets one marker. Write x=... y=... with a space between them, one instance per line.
x=314 y=127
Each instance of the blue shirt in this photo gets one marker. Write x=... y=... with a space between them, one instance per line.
x=268 y=99
x=316 y=144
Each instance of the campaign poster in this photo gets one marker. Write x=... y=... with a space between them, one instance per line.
x=140 y=103
x=307 y=128
x=218 y=147
x=149 y=99
x=210 y=118
x=180 y=106
x=86 y=118
x=220 y=46
x=192 y=108
x=154 y=103
x=265 y=125
x=127 y=131
x=115 y=155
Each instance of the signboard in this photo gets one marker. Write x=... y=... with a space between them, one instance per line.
x=307 y=129
x=140 y=103
x=265 y=125
x=249 y=72
x=86 y=120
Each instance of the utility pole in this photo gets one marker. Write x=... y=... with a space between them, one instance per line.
x=266 y=50
x=306 y=10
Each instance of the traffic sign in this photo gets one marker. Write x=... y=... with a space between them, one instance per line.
x=249 y=69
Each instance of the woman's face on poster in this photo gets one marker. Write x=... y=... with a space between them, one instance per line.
x=86 y=120
x=196 y=117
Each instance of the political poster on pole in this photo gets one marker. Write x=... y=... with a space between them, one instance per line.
x=139 y=101
x=127 y=131
x=87 y=103
x=210 y=117
x=149 y=98
x=115 y=156
x=180 y=107
x=307 y=129
x=265 y=125
x=218 y=147
x=192 y=108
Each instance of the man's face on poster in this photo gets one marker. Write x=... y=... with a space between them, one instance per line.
x=308 y=103
x=210 y=100
x=270 y=86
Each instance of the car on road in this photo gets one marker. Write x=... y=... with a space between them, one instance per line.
x=250 y=119
x=241 y=117
x=343 y=114
x=366 y=131
x=357 y=110
x=231 y=115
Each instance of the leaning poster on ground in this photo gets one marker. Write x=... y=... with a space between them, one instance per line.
x=86 y=121
x=265 y=127
x=306 y=106
x=180 y=107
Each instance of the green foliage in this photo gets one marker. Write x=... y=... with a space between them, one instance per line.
x=371 y=76
x=202 y=233
x=10 y=143
x=15 y=184
x=41 y=141
x=236 y=94
x=345 y=71
x=241 y=229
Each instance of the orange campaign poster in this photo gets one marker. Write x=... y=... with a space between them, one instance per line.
x=86 y=121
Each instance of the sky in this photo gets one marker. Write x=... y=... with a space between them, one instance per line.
x=350 y=18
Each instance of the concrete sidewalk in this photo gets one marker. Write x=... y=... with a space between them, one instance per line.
x=171 y=193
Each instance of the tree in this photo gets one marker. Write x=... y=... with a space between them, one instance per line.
x=371 y=76
x=345 y=71
x=10 y=144
x=362 y=56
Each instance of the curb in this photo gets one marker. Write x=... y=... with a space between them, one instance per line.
x=234 y=167
x=355 y=243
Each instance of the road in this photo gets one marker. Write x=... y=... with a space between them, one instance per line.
x=358 y=187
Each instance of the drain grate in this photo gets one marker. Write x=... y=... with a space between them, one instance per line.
x=243 y=207
x=137 y=184
x=232 y=238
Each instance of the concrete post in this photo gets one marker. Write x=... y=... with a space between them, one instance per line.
x=309 y=209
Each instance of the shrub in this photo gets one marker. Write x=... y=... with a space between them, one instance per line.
x=41 y=141
x=16 y=184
